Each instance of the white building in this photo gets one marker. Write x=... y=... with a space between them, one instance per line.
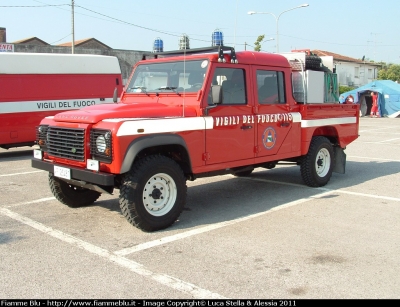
x=351 y=72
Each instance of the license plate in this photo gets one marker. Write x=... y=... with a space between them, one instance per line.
x=62 y=172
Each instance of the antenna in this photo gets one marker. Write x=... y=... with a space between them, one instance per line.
x=184 y=89
x=73 y=27
x=234 y=38
x=375 y=42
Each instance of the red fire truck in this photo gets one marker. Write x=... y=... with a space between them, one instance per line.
x=195 y=113
x=36 y=85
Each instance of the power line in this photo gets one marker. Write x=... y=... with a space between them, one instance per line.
x=125 y=22
x=60 y=39
x=163 y=32
x=46 y=5
x=100 y=14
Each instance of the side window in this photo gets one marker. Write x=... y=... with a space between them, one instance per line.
x=271 y=87
x=233 y=83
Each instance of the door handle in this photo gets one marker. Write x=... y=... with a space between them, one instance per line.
x=285 y=124
x=245 y=127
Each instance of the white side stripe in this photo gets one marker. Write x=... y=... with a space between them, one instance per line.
x=49 y=105
x=179 y=124
x=163 y=125
x=327 y=121
x=296 y=117
x=57 y=64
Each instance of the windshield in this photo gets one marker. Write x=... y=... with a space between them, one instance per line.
x=182 y=76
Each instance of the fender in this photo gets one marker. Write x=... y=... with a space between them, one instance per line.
x=150 y=141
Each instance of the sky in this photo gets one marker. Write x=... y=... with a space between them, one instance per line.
x=353 y=28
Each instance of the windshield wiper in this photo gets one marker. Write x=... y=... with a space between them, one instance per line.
x=169 y=88
x=138 y=89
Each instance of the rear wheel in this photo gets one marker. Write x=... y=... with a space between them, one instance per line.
x=153 y=193
x=316 y=167
x=71 y=195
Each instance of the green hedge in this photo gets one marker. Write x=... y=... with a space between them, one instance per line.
x=344 y=89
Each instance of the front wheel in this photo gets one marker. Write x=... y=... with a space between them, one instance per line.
x=153 y=193
x=316 y=167
x=71 y=195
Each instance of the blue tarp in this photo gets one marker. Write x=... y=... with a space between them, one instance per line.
x=388 y=95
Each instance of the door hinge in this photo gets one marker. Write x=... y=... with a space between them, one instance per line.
x=256 y=149
x=206 y=156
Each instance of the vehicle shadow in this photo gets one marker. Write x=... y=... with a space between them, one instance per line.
x=16 y=155
x=230 y=197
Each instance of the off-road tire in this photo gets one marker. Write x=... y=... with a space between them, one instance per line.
x=153 y=193
x=71 y=195
x=313 y=62
x=316 y=167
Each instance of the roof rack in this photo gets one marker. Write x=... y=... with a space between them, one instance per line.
x=219 y=49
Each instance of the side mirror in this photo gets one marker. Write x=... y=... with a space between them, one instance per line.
x=216 y=94
x=115 y=95
x=216 y=97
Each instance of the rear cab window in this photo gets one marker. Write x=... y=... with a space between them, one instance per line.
x=270 y=87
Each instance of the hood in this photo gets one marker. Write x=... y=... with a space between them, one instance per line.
x=95 y=113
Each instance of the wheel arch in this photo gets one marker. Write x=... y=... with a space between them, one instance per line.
x=330 y=132
x=171 y=145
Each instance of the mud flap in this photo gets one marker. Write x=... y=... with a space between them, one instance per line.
x=340 y=160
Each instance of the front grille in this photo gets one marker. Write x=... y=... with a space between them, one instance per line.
x=66 y=143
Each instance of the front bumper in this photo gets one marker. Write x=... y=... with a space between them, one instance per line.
x=102 y=179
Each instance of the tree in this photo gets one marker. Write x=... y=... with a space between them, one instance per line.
x=345 y=88
x=390 y=72
x=257 y=44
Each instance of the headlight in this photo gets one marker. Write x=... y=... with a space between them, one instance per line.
x=41 y=136
x=101 y=144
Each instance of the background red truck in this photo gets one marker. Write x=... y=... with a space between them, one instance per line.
x=36 y=85
x=194 y=113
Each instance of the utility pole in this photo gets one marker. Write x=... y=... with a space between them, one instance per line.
x=375 y=42
x=73 y=27
x=277 y=20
